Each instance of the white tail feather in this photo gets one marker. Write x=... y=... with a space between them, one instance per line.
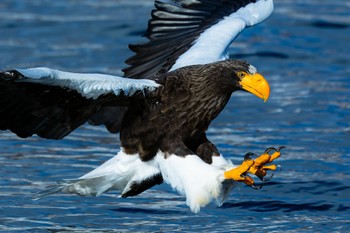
x=118 y=173
x=87 y=187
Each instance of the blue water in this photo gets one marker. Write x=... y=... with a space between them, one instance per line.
x=303 y=50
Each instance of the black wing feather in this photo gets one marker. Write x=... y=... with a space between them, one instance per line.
x=53 y=112
x=173 y=29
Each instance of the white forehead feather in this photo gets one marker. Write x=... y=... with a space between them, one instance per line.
x=252 y=69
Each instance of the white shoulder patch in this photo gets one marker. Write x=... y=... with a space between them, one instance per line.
x=212 y=44
x=88 y=85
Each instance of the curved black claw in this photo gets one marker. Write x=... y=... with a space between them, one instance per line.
x=270 y=149
x=249 y=156
x=266 y=179
x=274 y=149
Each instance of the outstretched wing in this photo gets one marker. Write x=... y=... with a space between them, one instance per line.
x=52 y=103
x=190 y=32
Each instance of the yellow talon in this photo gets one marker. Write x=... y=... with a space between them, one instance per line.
x=259 y=169
x=262 y=159
x=272 y=167
x=274 y=156
x=256 y=167
x=238 y=173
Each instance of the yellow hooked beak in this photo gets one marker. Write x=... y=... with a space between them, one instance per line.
x=256 y=84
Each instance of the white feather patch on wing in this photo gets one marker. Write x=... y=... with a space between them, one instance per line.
x=88 y=85
x=212 y=44
x=189 y=175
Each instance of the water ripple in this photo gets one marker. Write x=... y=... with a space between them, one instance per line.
x=301 y=50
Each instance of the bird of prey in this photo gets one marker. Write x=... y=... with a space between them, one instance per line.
x=175 y=84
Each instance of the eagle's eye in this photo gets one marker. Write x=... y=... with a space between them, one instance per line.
x=241 y=74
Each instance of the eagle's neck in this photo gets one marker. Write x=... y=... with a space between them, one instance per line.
x=203 y=108
x=193 y=103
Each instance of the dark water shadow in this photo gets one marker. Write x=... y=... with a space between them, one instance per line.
x=262 y=54
x=263 y=206
x=319 y=187
x=311 y=187
x=329 y=25
x=146 y=211
x=296 y=196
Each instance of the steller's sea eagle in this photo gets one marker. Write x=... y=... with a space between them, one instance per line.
x=175 y=85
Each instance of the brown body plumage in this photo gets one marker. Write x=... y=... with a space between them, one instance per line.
x=174 y=118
